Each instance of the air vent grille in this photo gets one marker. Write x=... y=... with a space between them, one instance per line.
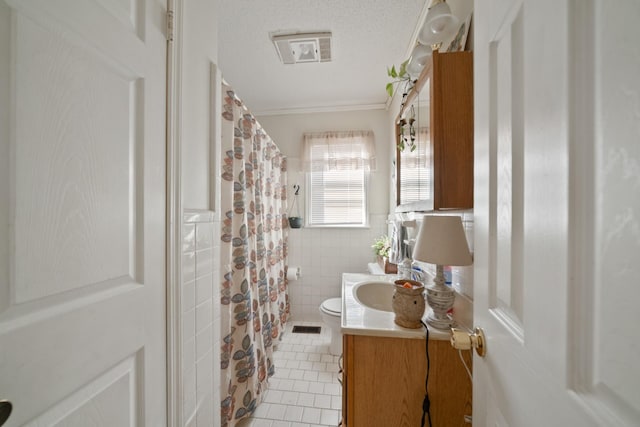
x=303 y=47
x=298 y=329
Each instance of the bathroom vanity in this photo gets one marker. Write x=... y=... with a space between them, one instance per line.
x=384 y=365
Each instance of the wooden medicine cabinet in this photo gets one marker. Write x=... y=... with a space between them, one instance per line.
x=443 y=109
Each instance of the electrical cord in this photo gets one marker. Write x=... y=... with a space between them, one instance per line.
x=464 y=362
x=426 y=403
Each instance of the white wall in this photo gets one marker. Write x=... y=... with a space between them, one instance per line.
x=198 y=43
x=325 y=253
x=199 y=52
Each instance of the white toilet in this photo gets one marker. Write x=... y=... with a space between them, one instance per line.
x=331 y=310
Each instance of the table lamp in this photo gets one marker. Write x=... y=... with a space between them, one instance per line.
x=441 y=241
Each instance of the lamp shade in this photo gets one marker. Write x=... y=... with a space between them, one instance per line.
x=439 y=25
x=441 y=240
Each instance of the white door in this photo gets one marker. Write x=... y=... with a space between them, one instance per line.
x=82 y=212
x=557 y=212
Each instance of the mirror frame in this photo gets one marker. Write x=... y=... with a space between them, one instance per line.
x=412 y=95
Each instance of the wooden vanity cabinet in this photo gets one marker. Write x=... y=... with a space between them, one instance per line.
x=383 y=382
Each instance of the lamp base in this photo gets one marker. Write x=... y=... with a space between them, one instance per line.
x=440 y=298
x=439 y=322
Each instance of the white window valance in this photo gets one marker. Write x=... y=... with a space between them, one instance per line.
x=344 y=150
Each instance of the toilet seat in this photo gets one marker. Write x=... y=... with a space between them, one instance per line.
x=332 y=306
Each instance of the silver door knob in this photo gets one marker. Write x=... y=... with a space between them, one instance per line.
x=5 y=410
x=463 y=340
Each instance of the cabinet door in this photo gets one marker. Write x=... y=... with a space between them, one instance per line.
x=452 y=129
x=347 y=358
x=385 y=378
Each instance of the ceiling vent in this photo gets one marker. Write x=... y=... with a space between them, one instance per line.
x=303 y=47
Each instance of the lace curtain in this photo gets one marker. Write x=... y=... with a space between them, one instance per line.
x=348 y=150
x=253 y=254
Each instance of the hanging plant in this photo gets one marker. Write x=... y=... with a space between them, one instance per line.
x=400 y=76
x=407 y=136
x=295 y=221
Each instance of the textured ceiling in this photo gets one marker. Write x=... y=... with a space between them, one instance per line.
x=368 y=36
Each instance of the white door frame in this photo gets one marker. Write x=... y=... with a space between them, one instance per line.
x=174 y=216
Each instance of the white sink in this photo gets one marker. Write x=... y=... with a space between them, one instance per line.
x=375 y=295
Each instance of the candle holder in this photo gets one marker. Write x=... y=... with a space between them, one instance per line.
x=408 y=303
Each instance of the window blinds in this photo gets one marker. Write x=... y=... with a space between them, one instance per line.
x=416 y=170
x=337 y=165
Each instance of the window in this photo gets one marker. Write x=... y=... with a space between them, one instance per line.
x=337 y=166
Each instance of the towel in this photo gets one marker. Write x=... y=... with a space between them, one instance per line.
x=396 y=254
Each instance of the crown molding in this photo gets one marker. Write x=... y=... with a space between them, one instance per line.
x=320 y=109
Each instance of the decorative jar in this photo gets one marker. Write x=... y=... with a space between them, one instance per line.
x=408 y=303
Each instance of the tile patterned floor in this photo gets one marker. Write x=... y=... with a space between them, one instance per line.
x=304 y=391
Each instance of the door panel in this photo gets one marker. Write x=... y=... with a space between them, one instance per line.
x=96 y=400
x=75 y=172
x=556 y=241
x=82 y=324
x=507 y=127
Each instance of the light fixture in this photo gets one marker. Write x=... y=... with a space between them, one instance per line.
x=439 y=25
x=441 y=241
x=420 y=55
x=294 y=48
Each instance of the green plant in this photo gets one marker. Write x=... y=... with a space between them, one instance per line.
x=381 y=246
x=400 y=76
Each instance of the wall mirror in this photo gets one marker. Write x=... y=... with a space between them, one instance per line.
x=414 y=173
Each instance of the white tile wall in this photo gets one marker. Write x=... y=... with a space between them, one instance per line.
x=200 y=317
x=323 y=254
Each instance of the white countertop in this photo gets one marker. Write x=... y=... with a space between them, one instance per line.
x=358 y=319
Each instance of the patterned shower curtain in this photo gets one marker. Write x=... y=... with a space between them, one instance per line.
x=255 y=304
